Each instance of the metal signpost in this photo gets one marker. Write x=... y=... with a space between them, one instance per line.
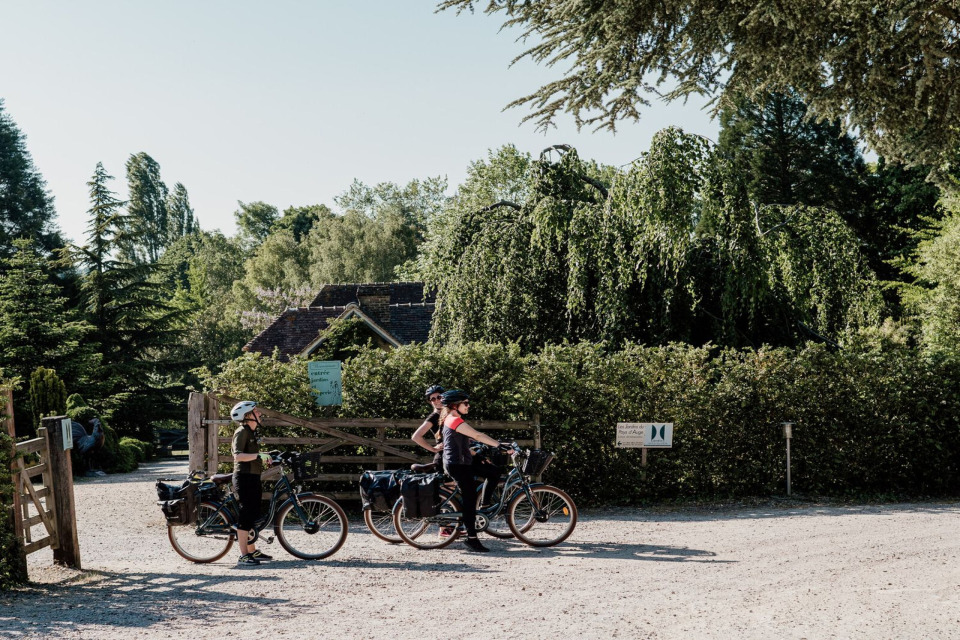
x=325 y=381
x=787 y=434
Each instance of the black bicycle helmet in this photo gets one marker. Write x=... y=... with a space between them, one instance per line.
x=454 y=396
x=432 y=389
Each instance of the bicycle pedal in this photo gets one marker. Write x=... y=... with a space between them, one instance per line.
x=269 y=540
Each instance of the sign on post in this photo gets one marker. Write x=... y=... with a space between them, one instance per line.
x=66 y=427
x=646 y=435
x=325 y=382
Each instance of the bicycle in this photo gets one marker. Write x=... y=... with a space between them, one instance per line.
x=308 y=525
x=537 y=514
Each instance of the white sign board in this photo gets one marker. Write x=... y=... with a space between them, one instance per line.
x=325 y=382
x=649 y=435
x=67 y=428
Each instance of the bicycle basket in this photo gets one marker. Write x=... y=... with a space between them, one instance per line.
x=536 y=462
x=307 y=466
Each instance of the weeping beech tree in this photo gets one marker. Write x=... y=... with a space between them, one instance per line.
x=669 y=248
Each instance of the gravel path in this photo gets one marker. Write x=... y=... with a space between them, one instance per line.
x=890 y=571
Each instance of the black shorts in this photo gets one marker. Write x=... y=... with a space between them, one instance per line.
x=249 y=491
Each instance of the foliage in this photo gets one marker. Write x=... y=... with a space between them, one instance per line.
x=147 y=230
x=180 y=218
x=142 y=451
x=669 y=249
x=112 y=457
x=889 y=70
x=877 y=418
x=343 y=339
x=26 y=209
x=36 y=327
x=48 y=394
x=255 y=221
x=13 y=571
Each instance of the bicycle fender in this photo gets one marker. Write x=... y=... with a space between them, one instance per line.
x=304 y=494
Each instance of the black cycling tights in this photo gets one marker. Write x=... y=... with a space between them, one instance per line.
x=466 y=477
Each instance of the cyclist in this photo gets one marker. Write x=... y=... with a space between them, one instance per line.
x=248 y=463
x=458 y=459
x=433 y=395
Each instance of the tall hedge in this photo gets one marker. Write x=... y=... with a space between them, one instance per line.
x=12 y=570
x=878 y=418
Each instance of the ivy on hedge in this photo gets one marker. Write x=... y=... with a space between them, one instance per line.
x=877 y=418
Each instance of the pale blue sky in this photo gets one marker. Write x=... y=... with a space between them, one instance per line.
x=283 y=101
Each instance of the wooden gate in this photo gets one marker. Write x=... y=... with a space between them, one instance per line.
x=210 y=433
x=44 y=512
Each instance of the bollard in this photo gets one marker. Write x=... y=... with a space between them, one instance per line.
x=787 y=434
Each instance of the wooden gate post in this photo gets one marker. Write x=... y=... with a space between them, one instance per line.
x=212 y=412
x=17 y=514
x=67 y=551
x=196 y=436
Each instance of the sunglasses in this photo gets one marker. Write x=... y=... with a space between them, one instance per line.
x=434 y=398
x=466 y=403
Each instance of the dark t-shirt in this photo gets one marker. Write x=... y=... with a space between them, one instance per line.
x=456 y=446
x=245 y=441
x=434 y=419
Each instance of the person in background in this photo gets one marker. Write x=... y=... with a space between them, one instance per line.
x=431 y=423
x=248 y=464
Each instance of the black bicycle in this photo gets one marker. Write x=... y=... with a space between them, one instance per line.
x=308 y=525
x=537 y=514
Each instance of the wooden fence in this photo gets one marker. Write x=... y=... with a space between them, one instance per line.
x=44 y=514
x=387 y=446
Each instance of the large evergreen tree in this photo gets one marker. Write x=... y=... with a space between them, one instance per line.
x=36 y=327
x=181 y=221
x=26 y=209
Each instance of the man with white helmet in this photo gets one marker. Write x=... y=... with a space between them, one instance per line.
x=247 y=465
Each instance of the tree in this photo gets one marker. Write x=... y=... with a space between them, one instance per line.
x=300 y=220
x=47 y=395
x=791 y=158
x=146 y=232
x=26 y=209
x=254 y=222
x=181 y=221
x=36 y=328
x=888 y=69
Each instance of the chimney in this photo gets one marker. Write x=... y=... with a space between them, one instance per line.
x=374 y=300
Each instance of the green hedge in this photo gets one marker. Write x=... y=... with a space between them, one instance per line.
x=878 y=418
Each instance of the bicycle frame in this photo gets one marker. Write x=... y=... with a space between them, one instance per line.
x=513 y=484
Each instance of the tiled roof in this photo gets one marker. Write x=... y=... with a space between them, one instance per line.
x=293 y=330
x=344 y=294
x=409 y=316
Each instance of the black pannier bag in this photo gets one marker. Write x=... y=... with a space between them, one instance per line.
x=379 y=490
x=179 y=502
x=421 y=494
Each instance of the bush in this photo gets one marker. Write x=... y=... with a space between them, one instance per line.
x=12 y=571
x=112 y=457
x=143 y=450
x=878 y=418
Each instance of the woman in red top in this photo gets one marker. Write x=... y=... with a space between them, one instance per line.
x=458 y=460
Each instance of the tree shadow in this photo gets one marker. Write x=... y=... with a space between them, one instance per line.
x=615 y=551
x=138 y=600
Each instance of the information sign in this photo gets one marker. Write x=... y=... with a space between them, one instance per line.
x=648 y=435
x=325 y=382
x=66 y=428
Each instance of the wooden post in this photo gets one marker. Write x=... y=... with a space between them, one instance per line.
x=381 y=436
x=536 y=431
x=196 y=436
x=17 y=508
x=212 y=412
x=61 y=474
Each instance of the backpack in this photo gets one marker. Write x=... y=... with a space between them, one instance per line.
x=379 y=490
x=421 y=494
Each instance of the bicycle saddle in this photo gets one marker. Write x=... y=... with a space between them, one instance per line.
x=221 y=478
x=423 y=468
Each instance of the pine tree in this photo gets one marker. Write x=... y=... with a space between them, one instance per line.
x=26 y=209
x=180 y=218
x=48 y=394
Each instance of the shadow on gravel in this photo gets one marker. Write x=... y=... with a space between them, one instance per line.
x=137 y=600
x=618 y=551
x=149 y=471
x=777 y=510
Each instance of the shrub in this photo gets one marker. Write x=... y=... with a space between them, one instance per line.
x=143 y=450
x=877 y=418
x=112 y=457
x=47 y=395
x=12 y=570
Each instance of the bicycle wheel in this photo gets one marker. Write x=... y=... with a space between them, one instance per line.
x=208 y=540
x=425 y=533
x=496 y=522
x=381 y=525
x=320 y=536
x=548 y=521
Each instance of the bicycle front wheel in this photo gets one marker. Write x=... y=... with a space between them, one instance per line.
x=427 y=533
x=381 y=525
x=316 y=534
x=208 y=540
x=548 y=519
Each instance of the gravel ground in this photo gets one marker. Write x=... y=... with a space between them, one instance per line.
x=889 y=571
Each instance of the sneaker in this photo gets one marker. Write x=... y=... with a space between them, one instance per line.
x=247 y=560
x=474 y=544
x=260 y=555
x=446 y=532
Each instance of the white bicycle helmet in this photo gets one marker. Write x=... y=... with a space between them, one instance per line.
x=241 y=409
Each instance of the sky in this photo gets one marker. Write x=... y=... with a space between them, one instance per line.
x=285 y=101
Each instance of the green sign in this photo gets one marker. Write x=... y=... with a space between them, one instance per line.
x=325 y=382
